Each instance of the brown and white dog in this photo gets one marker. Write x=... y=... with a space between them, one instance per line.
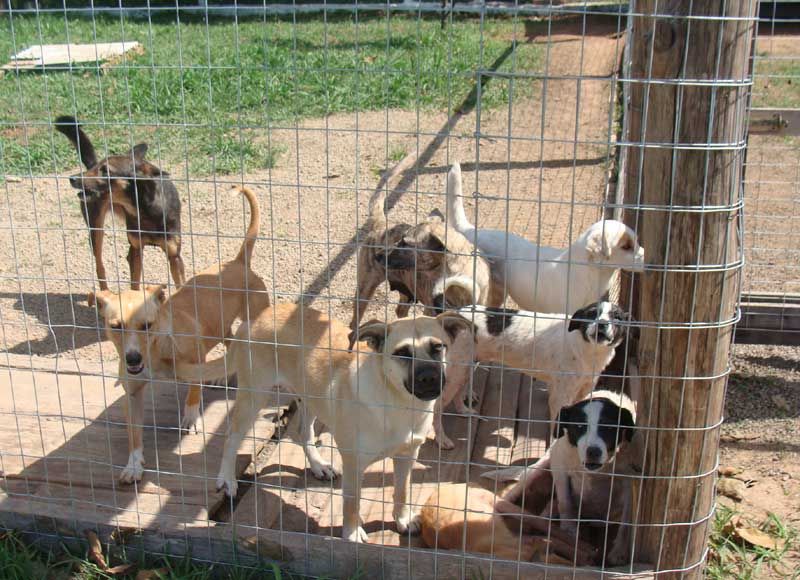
x=428 y=263
x=152 y=332
x=376 y=404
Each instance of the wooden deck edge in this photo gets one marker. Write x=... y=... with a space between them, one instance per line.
x=306 y=554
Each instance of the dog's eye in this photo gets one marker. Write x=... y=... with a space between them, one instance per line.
x=437 y=348
x=403 y=352
x=627 y=245
x=145 y=326
x=115 y=325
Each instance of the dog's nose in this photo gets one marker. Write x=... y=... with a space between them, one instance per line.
x=76 y=181
x=133 y=358
x=593 y=454
x=428 y=382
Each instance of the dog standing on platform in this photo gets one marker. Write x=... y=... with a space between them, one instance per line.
x=376 y=404
x=152 y=332
x=133 y=189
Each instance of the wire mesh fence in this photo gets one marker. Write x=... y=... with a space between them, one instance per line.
x=223 y=315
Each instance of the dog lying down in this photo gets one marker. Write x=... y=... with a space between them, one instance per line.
x=592 y=464
x=544 y=279
x=569 y=354
x=491 y=525
x=376 y=404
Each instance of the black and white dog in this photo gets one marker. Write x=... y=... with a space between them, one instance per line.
x=592 y=464
x=567 y=353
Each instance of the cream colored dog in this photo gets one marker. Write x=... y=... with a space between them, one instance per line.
x=151 y=332
x=376 y=404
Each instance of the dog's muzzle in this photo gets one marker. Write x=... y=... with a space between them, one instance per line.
x=593 y=457
x=426 y=382
x=133 y=362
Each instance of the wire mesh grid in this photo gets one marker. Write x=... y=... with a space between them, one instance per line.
x=331 y=114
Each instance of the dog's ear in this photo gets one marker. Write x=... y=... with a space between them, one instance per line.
x=100 y=300
x=627 y=424
x=139 y=151
x=157 y=291
x=453 y=323
x=579 y=318
x=374 y=333
x=436 y=214
x=597 y=245
x=435 y=243
x=565 y=416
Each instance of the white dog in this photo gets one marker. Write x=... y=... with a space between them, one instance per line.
x=375 y=404
x=592 y=464
x=544 y=279
x=568 y=354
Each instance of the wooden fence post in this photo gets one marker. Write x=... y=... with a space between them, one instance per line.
x=687 y=119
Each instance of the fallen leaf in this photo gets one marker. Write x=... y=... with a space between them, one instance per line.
x=756 y=537
x=152 y=574
x=13 y=179
x=729 y=471
x=122 y=535
x=121 y=569
x=96 y=550
x=369 y=59
x=732 y=488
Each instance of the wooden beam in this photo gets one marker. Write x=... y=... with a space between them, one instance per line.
x=684 y=171
x=769 y=318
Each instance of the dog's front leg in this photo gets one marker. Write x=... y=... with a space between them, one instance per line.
x=134 y=395
x=405 y=518
x=619 y=553
x=566 y=506
x=319 y=467
x=351 y=497
x=242 y=417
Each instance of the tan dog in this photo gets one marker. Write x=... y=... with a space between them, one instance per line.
x=151 y=332
x=459 y=516
x=428 y=263
x=376 y=404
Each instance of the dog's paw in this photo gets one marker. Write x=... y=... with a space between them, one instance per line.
x=230 y=486
x=191 y=415
x=325 y=471
x=357 y=535
x=445 y=443
x=618 y=555
x=135 y=468
x=408 y=523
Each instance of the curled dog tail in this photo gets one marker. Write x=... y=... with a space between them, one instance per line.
x=252 y=230
x=207 y=372
x=377 y=214
x=71 y=129
x=456 y=216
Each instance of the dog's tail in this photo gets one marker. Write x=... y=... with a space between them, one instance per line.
x=71 y=129
x=377 y=213
x=456 y=216
x=210 y=372
x=252 y=230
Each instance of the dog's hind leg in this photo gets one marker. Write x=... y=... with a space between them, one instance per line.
x=176 y=266
x=191 y=409
x=407 y=521
x=319 y=467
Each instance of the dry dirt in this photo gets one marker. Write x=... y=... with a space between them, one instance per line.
x=548 y=154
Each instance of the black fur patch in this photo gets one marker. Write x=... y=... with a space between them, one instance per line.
x=498 y=319
x=439 y=304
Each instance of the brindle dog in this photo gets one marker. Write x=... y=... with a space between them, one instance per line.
x=134 y=189
x=428 y=263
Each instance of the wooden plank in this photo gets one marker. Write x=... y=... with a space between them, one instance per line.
x=63 y=442
x=769 y=318
x=494 y=442
x=533 y=425
x=775 y=121
x=42 y=55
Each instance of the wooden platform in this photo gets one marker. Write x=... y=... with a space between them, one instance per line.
x=63 y=444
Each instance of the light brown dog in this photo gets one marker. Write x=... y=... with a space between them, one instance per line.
x=151 y=332
x=376 y=404
x=458 y=516
x=428 y=263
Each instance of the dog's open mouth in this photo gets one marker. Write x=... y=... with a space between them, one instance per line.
x=135 y=369
x=592 y=466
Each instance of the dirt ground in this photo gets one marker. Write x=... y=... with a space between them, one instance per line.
x=547 y=154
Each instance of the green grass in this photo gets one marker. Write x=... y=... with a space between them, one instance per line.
x=730 y=557
x=777 y=83
x=202 y=95
x=21 y=561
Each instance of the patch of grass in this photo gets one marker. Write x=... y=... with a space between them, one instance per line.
x=211 y=90
x=397 y=153
x=20 y=561
x=732 y=557
x=777 y=83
